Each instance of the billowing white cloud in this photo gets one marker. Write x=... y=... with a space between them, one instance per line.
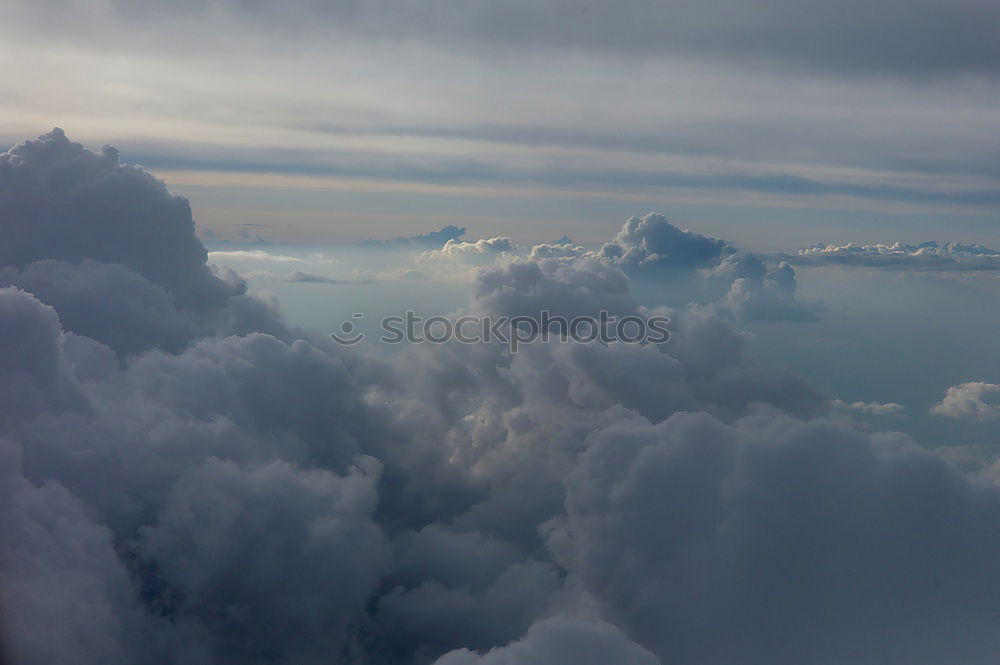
x=970 y=401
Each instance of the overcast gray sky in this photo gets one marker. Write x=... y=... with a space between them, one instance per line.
x=803 y=121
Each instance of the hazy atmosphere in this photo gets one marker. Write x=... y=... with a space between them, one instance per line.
x=555 y=333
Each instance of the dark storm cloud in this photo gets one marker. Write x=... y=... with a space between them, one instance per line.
x=928 y=37
x=255 y=498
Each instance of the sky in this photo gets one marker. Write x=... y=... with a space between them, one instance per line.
x=776 y=124
x=201 y=201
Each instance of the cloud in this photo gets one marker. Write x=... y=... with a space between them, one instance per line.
x=673 y=263
x=933 y=38
x=870 y=408
x=66 y=594
x=485 y=246
x=773 y=531
x=566 y=250
x=458 y=260
x=653 y=244
x=968 y=401
x=924 y=256
x=112 y=250
x=269 y=560
x=257 y=495
x=760 y=293
x=64 y=202
x=109 y=302
x=432 y=239
x=560 y=641
x=668 y=264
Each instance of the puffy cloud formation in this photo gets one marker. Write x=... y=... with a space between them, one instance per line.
x=570 y=289
x=925 y=256
x=64 y=202
x=559 y=250
x=109 y=302
x=256 y=498
x=669 y=265
x=800 y=542
x=652 y=250
x=653 y=244
x=968 y=401
x=458 y=260
x=114 y=251
x=484 y=250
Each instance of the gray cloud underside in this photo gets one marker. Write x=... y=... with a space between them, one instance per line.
x=471 y=171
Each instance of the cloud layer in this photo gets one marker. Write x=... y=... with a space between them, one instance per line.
x=925 y=256
x=247 y=495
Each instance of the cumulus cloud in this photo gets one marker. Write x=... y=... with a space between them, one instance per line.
x=459 y=260
x=691 y=529
x=969 y=401
x=924 y=256
x=654 y=244
x=113 y=250
x=562 y=250
x=254 y=497
x=664 y=263
x=681 y=264
x=64 y=202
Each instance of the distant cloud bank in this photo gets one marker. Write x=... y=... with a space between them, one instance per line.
x=924 y=256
